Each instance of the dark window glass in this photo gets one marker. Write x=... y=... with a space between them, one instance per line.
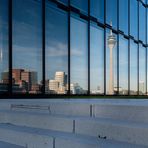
x=123 y=65
x=134 y=18
x=142 y=70
x=27 y=46
x=4 y=79
x=63 y=1
x=133 y=68
x=79 y=56
x=123 y=16
x=97 y=9
x=80 y=4
x=142 y=23
x=111 y=75
x=96 y=60
x=56 y=50
x=111 y=12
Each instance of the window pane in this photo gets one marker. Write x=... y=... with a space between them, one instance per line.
x=63 y=1
x=123 y=16
x=79 y=56
x=56 y=50
x=134 y=18
x=123 y=65
x=133 y=68
x=96 y=60
x=110 y=75
x=27 y=46
x=4 y=79
x=111 y=12
x=142 y=23
x=142 y=70
x=97 y=9
x=80 y=4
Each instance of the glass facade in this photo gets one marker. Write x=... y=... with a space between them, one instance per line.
x=73 y=47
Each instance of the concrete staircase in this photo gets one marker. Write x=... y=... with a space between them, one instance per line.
x=74 y=123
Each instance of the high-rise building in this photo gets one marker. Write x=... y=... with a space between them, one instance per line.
x=16 y=74
x=30 y=77
x=61 y=78
x=53 y=86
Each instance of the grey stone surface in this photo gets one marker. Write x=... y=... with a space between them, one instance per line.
x=117 y=120
x=8 y=145
x=44 y=121
x=134 y=113
x=71 y=108
x=25 y=138
x=69 y=143
x=113 y=129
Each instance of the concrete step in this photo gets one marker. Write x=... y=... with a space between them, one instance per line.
x=128 y=112
x=8 y=145
x=41 y=138
x=122 y=110
x=127 y=131
x=38 y=120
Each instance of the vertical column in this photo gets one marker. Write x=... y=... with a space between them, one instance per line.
x=10 y=46
x=43 y=46
x=88 y=47
x=69 y=81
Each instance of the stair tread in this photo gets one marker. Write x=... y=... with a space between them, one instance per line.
x=69 y=136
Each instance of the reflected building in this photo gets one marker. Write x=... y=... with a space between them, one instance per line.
x=59 y=84
x=141 y=87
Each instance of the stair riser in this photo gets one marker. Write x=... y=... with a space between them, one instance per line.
x=26 y=139
x=122 y=112
x=60 y=108
x=38 y=121
x=65 y=143
x=116 y=132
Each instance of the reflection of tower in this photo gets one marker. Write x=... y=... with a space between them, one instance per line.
x=111 y=44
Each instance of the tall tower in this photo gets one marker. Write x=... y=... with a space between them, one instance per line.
x=111 y=44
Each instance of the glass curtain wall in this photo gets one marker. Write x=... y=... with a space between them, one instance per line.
x=74 y=51
x=96 y=59
x=27 y=46
x=142 y=70
x=79 y=55
x=123 y=65
x=4 y=53
x=56 y=50
x=133 y=68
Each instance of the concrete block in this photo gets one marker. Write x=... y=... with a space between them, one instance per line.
x=71 y=143
x=36 y=120
x=126 y=132
x=122 y=112
x=73 y=109
x=8 y=145
x=25 y=139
